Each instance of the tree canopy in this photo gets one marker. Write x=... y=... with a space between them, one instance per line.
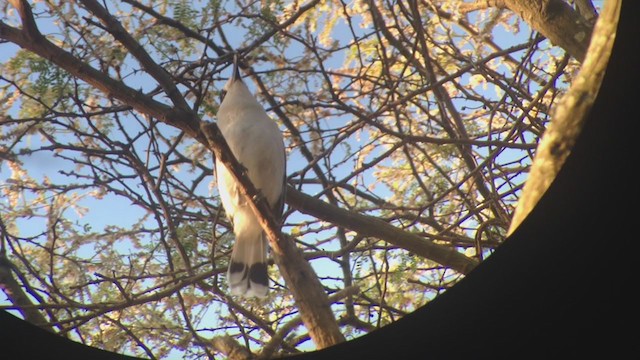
x=410 y=129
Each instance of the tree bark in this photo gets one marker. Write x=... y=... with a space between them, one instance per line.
x=554 y=19
x=230 y=348
x=570 y=115
x=18 y=297
x=558 y=22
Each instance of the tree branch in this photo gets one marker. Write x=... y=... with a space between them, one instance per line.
x=18 y=297
x=480 y=5
x=571 y=113
x=30 y=38
x=372 y=227
x=278 y=337
x=554 y=19
x=119 y=33
x=302 y=281
x=230 y=348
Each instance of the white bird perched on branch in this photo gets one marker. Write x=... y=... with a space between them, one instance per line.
x=256 y=142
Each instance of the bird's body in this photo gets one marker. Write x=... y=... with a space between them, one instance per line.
x=256 y=142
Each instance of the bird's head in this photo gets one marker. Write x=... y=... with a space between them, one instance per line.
x=235 y=95
x=235 y=82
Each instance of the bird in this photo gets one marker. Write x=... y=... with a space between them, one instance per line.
x=257 y=143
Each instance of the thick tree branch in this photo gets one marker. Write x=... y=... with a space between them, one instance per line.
x=119 y=33
x=369 y=226
x=554 y=19
x=278 y=337
x=587 y=10
x=571 y=113
x=480 y=5
x=231 y=348
x=302 y=281
x=17 y=296
x=30 y=38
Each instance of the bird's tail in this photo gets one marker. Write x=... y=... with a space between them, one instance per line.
x=247 y=274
